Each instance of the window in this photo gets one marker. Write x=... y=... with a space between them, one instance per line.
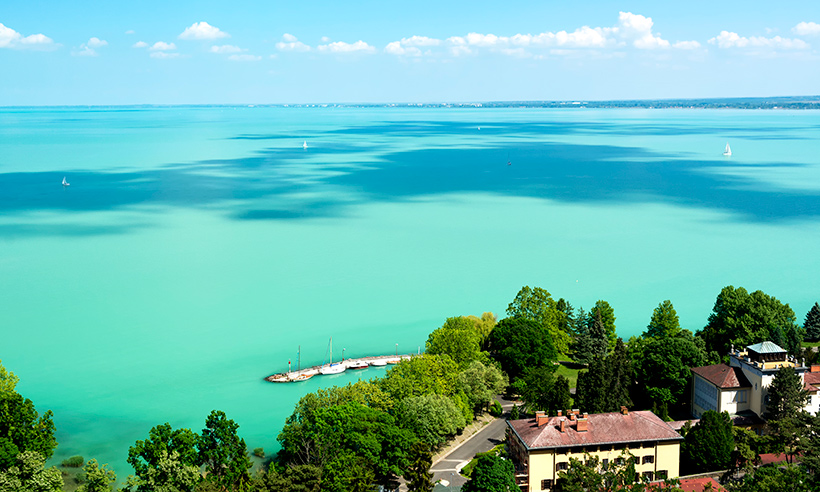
x=604 y=462
x=562 y=465
x=619 y=461
x=648 y=459
x=662 y=474
x=648 y=475
x=546 y=484
x=741 y=396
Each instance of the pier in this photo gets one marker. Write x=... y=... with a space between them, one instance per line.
x=348 y=364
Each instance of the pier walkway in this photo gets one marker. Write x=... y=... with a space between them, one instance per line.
x=349 y=364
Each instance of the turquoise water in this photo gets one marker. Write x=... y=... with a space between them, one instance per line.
x=198 y=247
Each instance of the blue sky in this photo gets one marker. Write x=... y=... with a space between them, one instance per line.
x=200 y=52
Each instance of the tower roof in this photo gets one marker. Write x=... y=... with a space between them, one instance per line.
x=766 y=348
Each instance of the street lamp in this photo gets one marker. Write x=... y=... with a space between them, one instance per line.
x=397 y=350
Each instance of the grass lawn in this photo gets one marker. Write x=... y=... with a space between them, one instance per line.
x=571 y=374
x=811 y=344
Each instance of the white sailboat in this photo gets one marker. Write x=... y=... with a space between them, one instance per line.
x=304 y=145
x=66 y=183
x=332 y=368
x=728 y=150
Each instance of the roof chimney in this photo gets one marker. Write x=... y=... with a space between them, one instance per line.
x=563 y=425
x=576 y=411
x=815 y=368
x=572 y=417
x=541 y=418
x=624 y=410
x=586 y=415
x=582 y=425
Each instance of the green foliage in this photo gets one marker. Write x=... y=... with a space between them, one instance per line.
x=496 y=410
x=417 y=475
x=771 y=478
x=809 y=446
x=169 y=473
x=592 y=475
x=515 y=413
x=348 y=473
x=165 y=447
x=540 y=390
x=467 y=470
x=223 y=453
x=457 y=338
x=259 y=452
x=520 y=343
x=73 y=462
x=591 y=341
x=746 y=454
x=786 y=395
x=811 y=325
x=97 y=478
x=744 y=319
x=606 y=313
x=492 y=474
x=537 y=305
x=292 y=478
x=605 y=387
x=22 y=428
x=433 y=418
x=28 y=474
x=709 y=444
x=483 y=326
x=665 y=322
x=662 y=368
x=421 y=375
x=480 y=383
x=8 y=381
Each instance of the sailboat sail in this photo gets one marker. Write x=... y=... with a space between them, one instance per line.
x=727 y=150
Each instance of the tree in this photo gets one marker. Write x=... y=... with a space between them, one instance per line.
x=154 y=458
x=417 y=475
x=8 y=381
x=592 y=475
x=662 y=368
x=607 y=316
x=433 y=418
x=537 y=304
x=481 y=383
x=709 y=444
x=483 y=326
x=811 y=324
x=606 y=384
x=665 y=322
x=746 y=455
x=741 y=319
x=787 y=398
x=28 y=474
x=223 y=453
x=518 y=343
x=420 y=375
x=22 y=428
x=492 y=473
x=771 y=478
x=97 y=478
x=457 y=338
x=591 y=341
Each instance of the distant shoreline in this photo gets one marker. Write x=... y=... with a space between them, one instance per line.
x=777 y=102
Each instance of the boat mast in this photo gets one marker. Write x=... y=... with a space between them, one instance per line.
x=299 y=358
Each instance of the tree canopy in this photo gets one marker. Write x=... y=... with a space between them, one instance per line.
x=518 y=343
x=709 y=444
x=786 y=395
x=811 y=324
x=223 y=453
x=606 y=313
x=537 y=304
x=492 y=473
x=605 y=386
x=743 y=319
x=665 y=322
x=458 y=338
x=22 y=428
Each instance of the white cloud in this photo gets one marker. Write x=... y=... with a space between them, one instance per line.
x=395 y=48
x=163 y=46
x=728 y=39
x=163 y=55
x=342 y=47
x=244 y=58
x=806 y=29
x=130 y=31
x=420 y=41
x=290 y=43
x=140 y=44
x=325 y=39
x=225 y=49
x=203 y=30
x=84 y=51
x=96 y=43
x=638 y=29
x=686 y=45
x=9 y=38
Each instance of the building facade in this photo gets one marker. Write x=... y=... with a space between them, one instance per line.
x=542 y=447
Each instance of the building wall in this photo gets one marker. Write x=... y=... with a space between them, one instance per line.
x=735 y=400
x=544 y=463
x=705 y=396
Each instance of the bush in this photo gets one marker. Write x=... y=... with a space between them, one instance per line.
x=495 y=409
x=259 y=452
x=515 y=413
x=73 y=462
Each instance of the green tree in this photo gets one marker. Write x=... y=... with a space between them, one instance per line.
x=492 y=473
x=519 y=343
x=481 y=383
x=153 y=459
x=665 y=322
x=743 y=319
x=223 y=453
x=421 y=375
x=537 y=304
x=28 y=474
x=417 y=475
x=709 y=444
x=607 y=316
x=746 y=455
x=433 y=418
x=811 y=325
x=810 y=448
x=591 y=340
x=457 y=338
x=483 y=326
x=97 y=478
x=605 y=385
x=8 y=381
x=787 y=398
x=771 y=478
x=348 y=473
x=662 y=368
x=22 y=428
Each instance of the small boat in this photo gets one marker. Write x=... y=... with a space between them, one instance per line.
x=332 y=368
x=728 y=150
x=279 y=378
x=66 y=183
x=304 y=376
x=304 y=145
x=378 y=362
x=394 y=360
x=357 y=364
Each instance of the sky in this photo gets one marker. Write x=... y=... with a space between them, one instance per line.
x=103 y=52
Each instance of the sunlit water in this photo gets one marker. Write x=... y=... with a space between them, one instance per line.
x=197 y=248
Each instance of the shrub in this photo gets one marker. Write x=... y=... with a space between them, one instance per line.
x=496 y=410
x=259 y=452
x=73 y=462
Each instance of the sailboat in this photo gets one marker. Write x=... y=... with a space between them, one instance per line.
x=66 y=183
x=302 y=376
x=728 y=150
x=304 y=145
x=332 y=368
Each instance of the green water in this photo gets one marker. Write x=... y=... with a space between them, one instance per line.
x=197 y=248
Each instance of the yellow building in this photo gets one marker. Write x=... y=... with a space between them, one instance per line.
x=542 y=447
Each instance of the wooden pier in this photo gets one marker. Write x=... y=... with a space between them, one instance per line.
x=305 y=374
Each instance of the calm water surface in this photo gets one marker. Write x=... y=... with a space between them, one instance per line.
x=197 y=248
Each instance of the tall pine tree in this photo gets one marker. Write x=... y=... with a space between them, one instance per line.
x=812 y=324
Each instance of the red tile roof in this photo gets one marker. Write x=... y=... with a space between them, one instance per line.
x=812 y=380
x=723 y=376
x=699 y=484
x=603 y=428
